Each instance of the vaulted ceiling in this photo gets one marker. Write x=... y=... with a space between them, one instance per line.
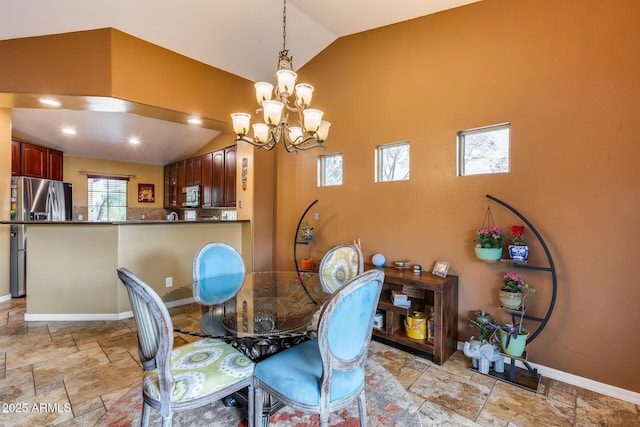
x=242 y=37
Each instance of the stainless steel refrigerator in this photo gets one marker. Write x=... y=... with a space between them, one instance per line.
x=33 y=199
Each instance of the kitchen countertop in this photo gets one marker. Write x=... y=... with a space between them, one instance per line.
x=132 y=222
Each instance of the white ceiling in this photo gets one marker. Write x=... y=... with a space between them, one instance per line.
x=242 y=37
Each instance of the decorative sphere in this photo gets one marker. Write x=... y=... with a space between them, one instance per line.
x=378 y=260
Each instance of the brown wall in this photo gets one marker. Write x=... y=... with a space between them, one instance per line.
x=566 y=75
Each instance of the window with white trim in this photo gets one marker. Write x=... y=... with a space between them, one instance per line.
x=392 y=162
x=483 y=150
x=330 y=170
x=107 y=198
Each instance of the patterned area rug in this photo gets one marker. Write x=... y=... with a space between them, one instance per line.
x=388 y=404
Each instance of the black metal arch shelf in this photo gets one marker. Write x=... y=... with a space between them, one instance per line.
x=551 y=268
x=297 y=242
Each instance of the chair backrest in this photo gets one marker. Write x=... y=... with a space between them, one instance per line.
x=346 y=324
x=219 y=270
x=339 y=265
x=155 y=329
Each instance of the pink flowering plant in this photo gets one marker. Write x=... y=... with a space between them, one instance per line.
x=491 y=237
x=514 y=282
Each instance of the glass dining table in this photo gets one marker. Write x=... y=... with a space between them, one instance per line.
x=272 y=311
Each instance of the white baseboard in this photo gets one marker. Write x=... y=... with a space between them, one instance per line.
x=5 y=298
x=586 y=383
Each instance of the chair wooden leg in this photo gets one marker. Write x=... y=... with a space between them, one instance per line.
x=362 y=409
x=146 y=415
x=251 y=403
x=258 y=396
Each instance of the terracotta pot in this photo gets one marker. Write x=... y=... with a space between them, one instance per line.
x=306 y=264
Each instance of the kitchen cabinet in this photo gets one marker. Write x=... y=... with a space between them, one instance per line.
x=215 y=172
x=230 y=176
x=426 y=291
x=54 y=164
x=35 y=161
x=207 y=179
x=171 y=186
x=181 y=181
x=15 y=158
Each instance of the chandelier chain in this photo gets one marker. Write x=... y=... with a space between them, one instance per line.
x=284 y=26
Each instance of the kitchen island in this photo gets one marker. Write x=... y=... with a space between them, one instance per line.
x=71 y=266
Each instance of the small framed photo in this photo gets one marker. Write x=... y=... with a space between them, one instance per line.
x=146 y=193
x=441 y=269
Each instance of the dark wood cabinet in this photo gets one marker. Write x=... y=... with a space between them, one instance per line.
x=35 y=161
x=430 y=291
x=207 y=179
x=54 y=164
x=15 y=158
x=171 y=186
x=230 y=176
x=217 y=187
x=181 y=177
x=196 y=171
x=215 y=172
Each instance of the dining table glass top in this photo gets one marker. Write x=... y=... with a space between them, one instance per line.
x=268 y=303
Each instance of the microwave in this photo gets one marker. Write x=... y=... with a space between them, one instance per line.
x=191 y=196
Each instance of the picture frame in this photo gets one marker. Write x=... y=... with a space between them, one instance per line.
x=146 y=193
x=440 y=269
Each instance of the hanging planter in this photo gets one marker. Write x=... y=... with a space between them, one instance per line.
x=489 y=239
x=488 y=254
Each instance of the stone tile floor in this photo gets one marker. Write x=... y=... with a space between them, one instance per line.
x=70 y=373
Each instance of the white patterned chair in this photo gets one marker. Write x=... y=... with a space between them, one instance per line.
x=189 y=376
x=339 y=265
x=328 y=373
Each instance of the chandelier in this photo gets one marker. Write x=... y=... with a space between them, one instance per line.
x=311 y=131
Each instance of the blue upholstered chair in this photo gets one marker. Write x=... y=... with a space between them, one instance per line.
x=189 y=376
x=218 y=274
x=339 y=265
x=326 y=374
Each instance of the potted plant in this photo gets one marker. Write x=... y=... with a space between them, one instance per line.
x=511 y=337
x=307 y=264
x=518 y=251
x=489 y=243
x=514 y=291
x=306 y=232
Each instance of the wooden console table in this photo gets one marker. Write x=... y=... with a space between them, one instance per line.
x=439 y=293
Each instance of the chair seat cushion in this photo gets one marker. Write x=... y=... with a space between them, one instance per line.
x=201 y=368
x=295 y=374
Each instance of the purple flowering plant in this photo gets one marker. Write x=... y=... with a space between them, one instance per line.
x=491 y=237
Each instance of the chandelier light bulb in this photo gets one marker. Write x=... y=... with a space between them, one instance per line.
x=261 y=132
x=286 y=81
x=323 y=130
x=241 y=123
x=264 y=91
x=312 y=119
x=295 y=132
x=272 y=112
x=304 y=92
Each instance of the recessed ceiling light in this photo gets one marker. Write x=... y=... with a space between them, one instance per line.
x=49 y=101
x=195 y=121
x=69 y=131
x=134 y=141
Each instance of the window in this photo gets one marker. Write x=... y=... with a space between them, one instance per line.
x=107 y=198
x=483 y=150
x=392 y=162
x=330 y=170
